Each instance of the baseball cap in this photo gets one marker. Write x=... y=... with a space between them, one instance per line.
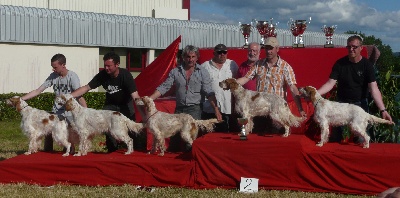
x=271 y=41
x=220 y=47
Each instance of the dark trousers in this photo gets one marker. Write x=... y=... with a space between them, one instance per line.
x=337 y=132
x=111 y=142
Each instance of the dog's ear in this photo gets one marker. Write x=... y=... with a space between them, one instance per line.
x=232 y=84
x=69 y=106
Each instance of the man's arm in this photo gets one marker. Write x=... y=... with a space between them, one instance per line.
x=82 y=102
x=213 y=102
x=377 y=96
x=135 y=95
x=155 y=95
x=297 y=100
x=80 y=91
x=242 y=80
x=327 y=86
x=33 y=93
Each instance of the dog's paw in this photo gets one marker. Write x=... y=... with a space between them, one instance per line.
x=65 y=155
x=320 y=144
x=285 y=135
x=27 y=153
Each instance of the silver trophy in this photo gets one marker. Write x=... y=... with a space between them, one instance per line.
x=243 y=122
x=297 y=27
x=271 y=28
x=328 y=34
x=262 y=27
x=245 y=29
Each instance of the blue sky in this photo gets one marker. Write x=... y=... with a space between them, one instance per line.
x=380 y=18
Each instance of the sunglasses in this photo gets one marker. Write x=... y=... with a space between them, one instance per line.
x=222 y=52
x=352 y=47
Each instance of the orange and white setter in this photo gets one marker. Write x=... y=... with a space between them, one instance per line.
x=330 y=113
x=37 y=123
x=164 y=125
x=251 y=103
x=90 y=122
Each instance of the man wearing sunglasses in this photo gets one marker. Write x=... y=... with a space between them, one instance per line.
x=355 y=77
x=220 y=68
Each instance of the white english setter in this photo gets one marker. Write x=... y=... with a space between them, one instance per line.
x=38 y=123
x=251 y=103
x=330 y=113
x=164 y=125
x=90 y=122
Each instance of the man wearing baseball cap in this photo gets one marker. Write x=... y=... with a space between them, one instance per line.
x=274 y=75
x=220 y=68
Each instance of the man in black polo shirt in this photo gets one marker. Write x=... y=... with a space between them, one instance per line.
x=355 y=77
x=120 y=91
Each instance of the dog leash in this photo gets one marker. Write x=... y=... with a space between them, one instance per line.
x=317 y=102
x=150 y=116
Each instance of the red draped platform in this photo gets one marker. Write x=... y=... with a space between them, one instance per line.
x=220 y=160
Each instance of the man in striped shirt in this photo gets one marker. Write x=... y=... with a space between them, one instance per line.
x=274 y=75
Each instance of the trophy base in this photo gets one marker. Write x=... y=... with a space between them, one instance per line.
x=298 y=45
x=328 y=46
x=243 y=137
x=245 y=46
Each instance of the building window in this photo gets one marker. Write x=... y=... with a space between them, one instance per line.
x=136 y=59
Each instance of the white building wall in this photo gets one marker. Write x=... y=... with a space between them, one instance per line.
x=26 y=3
x=141 y=8
x=28 y=66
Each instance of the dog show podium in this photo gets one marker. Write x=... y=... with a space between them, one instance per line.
x=219 y=160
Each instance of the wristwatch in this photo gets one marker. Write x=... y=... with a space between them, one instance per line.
x=383 y=110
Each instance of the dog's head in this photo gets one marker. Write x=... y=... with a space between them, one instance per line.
x=229 y=84
x=16 y=102
x=67 y=100
x=309 y=93
x=148 y=104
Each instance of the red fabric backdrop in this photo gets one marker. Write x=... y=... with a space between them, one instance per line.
x=312 y=66
x=155 y=73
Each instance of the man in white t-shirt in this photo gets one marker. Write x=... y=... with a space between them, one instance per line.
x=63 y=81
x=220 y=68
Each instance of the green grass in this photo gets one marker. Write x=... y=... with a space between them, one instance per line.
x=13 y=142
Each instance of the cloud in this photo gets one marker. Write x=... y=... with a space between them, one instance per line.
x=347 y=14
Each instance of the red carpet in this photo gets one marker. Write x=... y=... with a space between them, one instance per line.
x=219 y=160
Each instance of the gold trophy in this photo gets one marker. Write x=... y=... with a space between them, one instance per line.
x=245 y=29
x=328 y=34
x=243 y=122
x=297 y=27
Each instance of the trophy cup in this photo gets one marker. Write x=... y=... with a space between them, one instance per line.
x=271 y=29
x=243 y=122
x=245 y=29
x=297 y=27
x=261 y=26
x=328 y=34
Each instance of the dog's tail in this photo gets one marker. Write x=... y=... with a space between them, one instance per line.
x=206 y=125
x=375 y=120
x=294 y=121
x=134 y=126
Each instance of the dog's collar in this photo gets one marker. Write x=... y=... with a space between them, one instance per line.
x=150 y=116
x=317 y=102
